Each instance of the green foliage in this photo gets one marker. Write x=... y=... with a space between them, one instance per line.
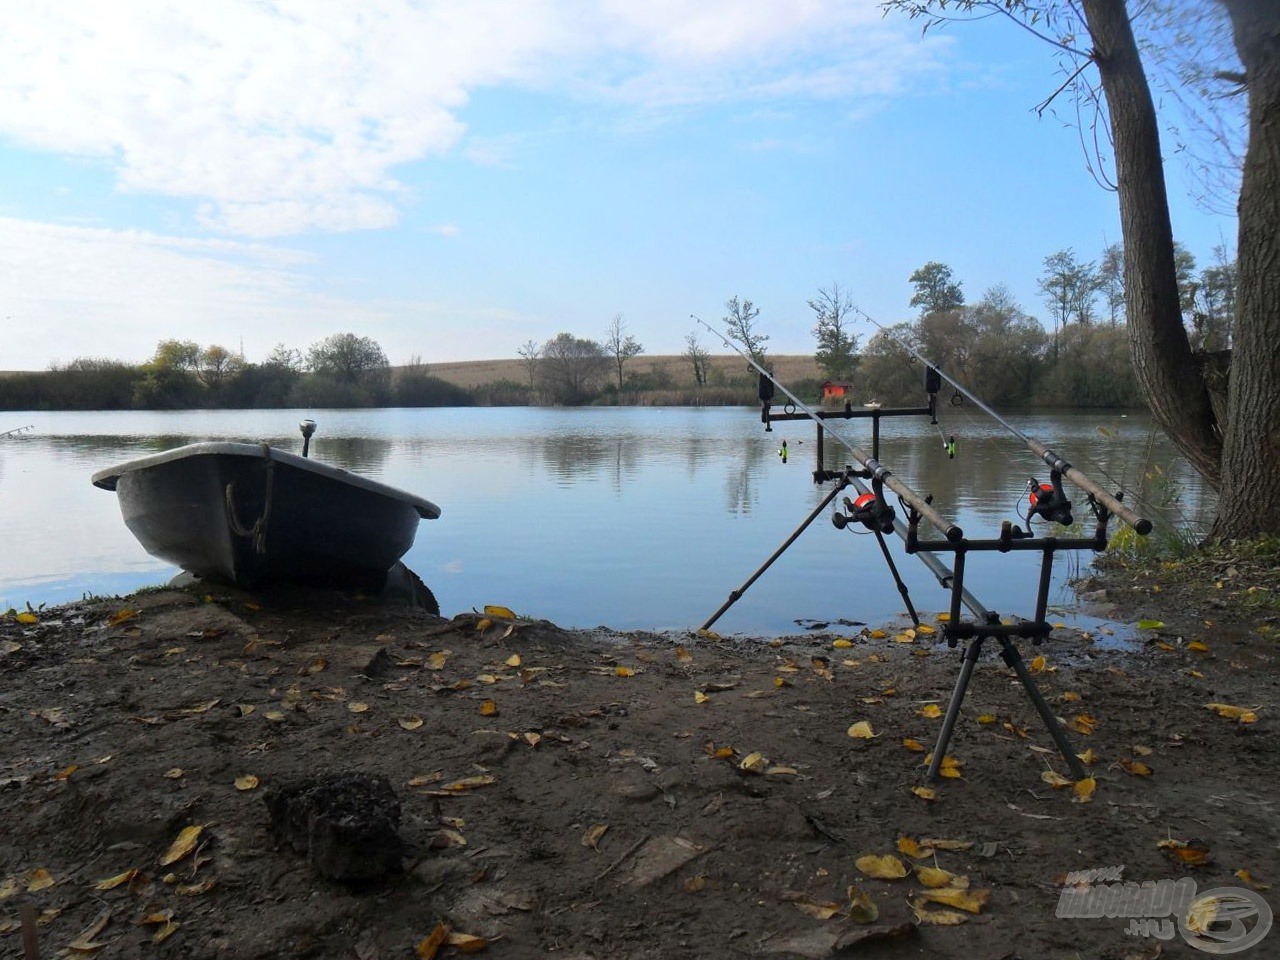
x=937 y=289
x=837 y=352
x=350 y=360
x=571 y=368
x=740 y=327
x=416 y=388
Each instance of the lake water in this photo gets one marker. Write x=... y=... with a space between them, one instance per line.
x=633 y=518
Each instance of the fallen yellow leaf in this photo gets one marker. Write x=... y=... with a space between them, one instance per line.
x=118 y=880
x=410 y=723
x=970 y=901
x=1056 y=780
x=625 y=672
x=38 y=879
x=465 y=942
x=881 y=866
x=912 y=744
x=842 y=643
x=912 y=848
x=861 y=730
x=489 y=708
x=467 y=783
x=356 y=706
x=933 y=877
x=930 y=711
x=925 y=793
x=1083 y=723
x=862 y=908
x=936 y=918
x=1245 y=877
x=592 y=837
x=430 y=946
x=496 y=611
x=183 y=845
x=1084 y=790
x=1135 y=767
x=247 y=782
x=754 y=763
x=1229 y=712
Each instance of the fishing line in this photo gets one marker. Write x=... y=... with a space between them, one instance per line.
x=877 y=471
x=1056 y=463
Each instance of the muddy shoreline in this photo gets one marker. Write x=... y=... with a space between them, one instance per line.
x=593 y=794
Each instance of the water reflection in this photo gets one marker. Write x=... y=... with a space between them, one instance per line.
x=740 y=484
x=631 y=518
x=367 y=455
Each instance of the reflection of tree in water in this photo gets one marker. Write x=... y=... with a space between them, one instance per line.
x=580 y=456
x=740 y=495
x=357 y=454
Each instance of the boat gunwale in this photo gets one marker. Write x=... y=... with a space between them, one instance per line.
x=107 y=478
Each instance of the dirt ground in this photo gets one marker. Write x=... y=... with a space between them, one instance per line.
x=588 y=794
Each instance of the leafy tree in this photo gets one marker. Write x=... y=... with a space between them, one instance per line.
x=937 y=289
x=698 y=358
x=886 y=366
x=1111 y=281
x=1214 y=309
x=620 y=346
x=740 y=326
x=168 y=380
x=216 y=365
x=414 y=386
x=1069 y=288
x=1217 y=430
x=1184 y=263
x=348 y=359
x=571 y=368
x=1008 y=351
x=837 y=352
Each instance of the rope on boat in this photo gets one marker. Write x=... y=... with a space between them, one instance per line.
x=258 y=530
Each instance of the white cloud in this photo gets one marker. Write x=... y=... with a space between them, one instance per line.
x=115 y=294
x=281 y=116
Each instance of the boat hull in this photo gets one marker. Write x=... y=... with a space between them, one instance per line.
x=247 y=514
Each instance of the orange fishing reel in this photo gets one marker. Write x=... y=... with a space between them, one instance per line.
x=869 y=509
x=1049 y=500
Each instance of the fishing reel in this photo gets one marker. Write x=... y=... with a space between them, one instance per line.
x=1049 y=500
x=870 y=510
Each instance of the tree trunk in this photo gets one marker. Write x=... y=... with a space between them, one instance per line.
x=1162 y=355
x=1251 y=451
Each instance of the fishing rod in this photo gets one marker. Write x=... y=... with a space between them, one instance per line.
x=871 y=511
x=875 y=470
x=1140 y=524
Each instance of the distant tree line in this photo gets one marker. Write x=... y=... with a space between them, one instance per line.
x=343 y=370
x=994 y=346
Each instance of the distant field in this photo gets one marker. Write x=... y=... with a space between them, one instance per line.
x=474 y=373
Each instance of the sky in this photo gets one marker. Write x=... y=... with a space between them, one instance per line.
x=454 y=178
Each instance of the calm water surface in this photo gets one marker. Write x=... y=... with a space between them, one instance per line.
x=630 y=518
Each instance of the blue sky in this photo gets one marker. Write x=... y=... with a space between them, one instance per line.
x=456 y=178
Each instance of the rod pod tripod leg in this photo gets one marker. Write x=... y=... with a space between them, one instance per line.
x=1013 y=658
x=736 y=595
